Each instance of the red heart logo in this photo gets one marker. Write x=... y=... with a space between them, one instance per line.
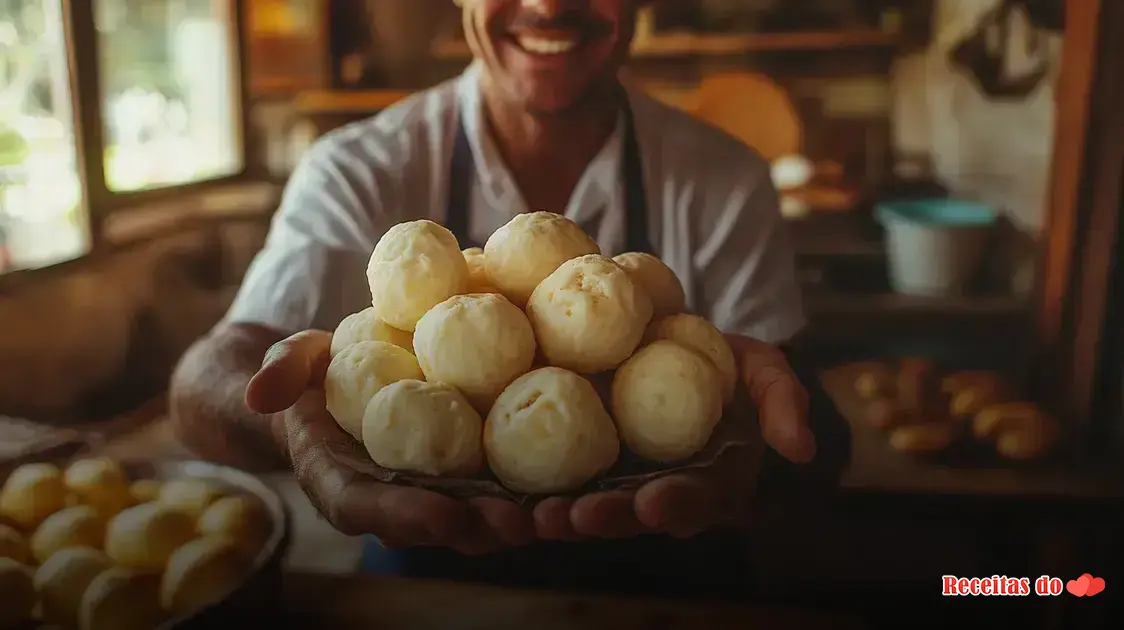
x=1096 y=585
x=1080 y=586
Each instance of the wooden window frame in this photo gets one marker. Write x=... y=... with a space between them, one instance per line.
x=1084 y=216
x=98 y=201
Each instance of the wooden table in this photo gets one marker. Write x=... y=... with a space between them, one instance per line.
x=353 y=602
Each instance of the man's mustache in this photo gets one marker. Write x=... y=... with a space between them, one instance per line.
x=566 y=21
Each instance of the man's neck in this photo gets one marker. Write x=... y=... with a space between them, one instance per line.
x=547 y=154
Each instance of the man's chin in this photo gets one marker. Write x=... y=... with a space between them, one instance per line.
x=554 y=101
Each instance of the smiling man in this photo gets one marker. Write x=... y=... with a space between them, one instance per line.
x=540 y=120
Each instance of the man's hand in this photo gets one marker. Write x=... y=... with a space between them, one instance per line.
x=290 y=382
x=686 y=504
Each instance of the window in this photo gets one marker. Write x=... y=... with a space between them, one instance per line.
x=169 y=94
x=41 y=222
x=159 y=79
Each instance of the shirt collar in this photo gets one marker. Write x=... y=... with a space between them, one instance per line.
x=598 y=187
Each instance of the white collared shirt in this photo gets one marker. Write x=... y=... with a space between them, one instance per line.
x=714 y=217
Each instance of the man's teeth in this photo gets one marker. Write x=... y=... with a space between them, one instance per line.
x=542 y=46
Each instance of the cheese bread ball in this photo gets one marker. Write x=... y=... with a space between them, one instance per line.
x=666 y=402
x=189 y=495
x=548 y=432
x=32 y=493
x=695 y=333
x=658 y=281
x=478 y=281
x=521 y=254
x=62 y=580
x=588 y=316
x=241 y=519
x=414 y=267
x=144 y=490
x=13 y=545
x=100 y=483
x=145 y=536
x=366 y=326
x=358 y=372
x=121 y=599
x=72 y=527
x=201 y=573
x=17 y=594
x=477 y=343
x=427 y=428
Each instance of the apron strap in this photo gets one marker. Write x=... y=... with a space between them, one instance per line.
x=462 y=172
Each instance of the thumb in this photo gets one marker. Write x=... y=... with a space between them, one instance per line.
x=290 y=367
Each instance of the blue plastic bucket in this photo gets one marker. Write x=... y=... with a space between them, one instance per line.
x=934 y=246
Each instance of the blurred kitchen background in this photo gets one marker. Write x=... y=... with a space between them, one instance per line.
x=144 y=145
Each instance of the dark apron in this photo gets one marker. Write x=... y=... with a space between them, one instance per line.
x=710 y=566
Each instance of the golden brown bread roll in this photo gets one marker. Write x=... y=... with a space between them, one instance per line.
x=1027 y=443
x=993 y=420
x=1021 y=430
x=929 y=437
x=972 y=399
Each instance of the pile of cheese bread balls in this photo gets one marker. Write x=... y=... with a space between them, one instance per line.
x=88 y=548
x=535 y=357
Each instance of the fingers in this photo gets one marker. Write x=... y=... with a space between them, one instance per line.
x=290 y=367
x=606 y=515
x=355 y=504
x=511 y=524
x=552 y=520
x=681 y=505
x=781 y=401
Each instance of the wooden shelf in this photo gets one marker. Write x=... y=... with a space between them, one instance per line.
x=347 y=102
x=686 y=44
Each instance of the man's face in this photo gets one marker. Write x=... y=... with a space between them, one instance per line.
x=549 y=55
